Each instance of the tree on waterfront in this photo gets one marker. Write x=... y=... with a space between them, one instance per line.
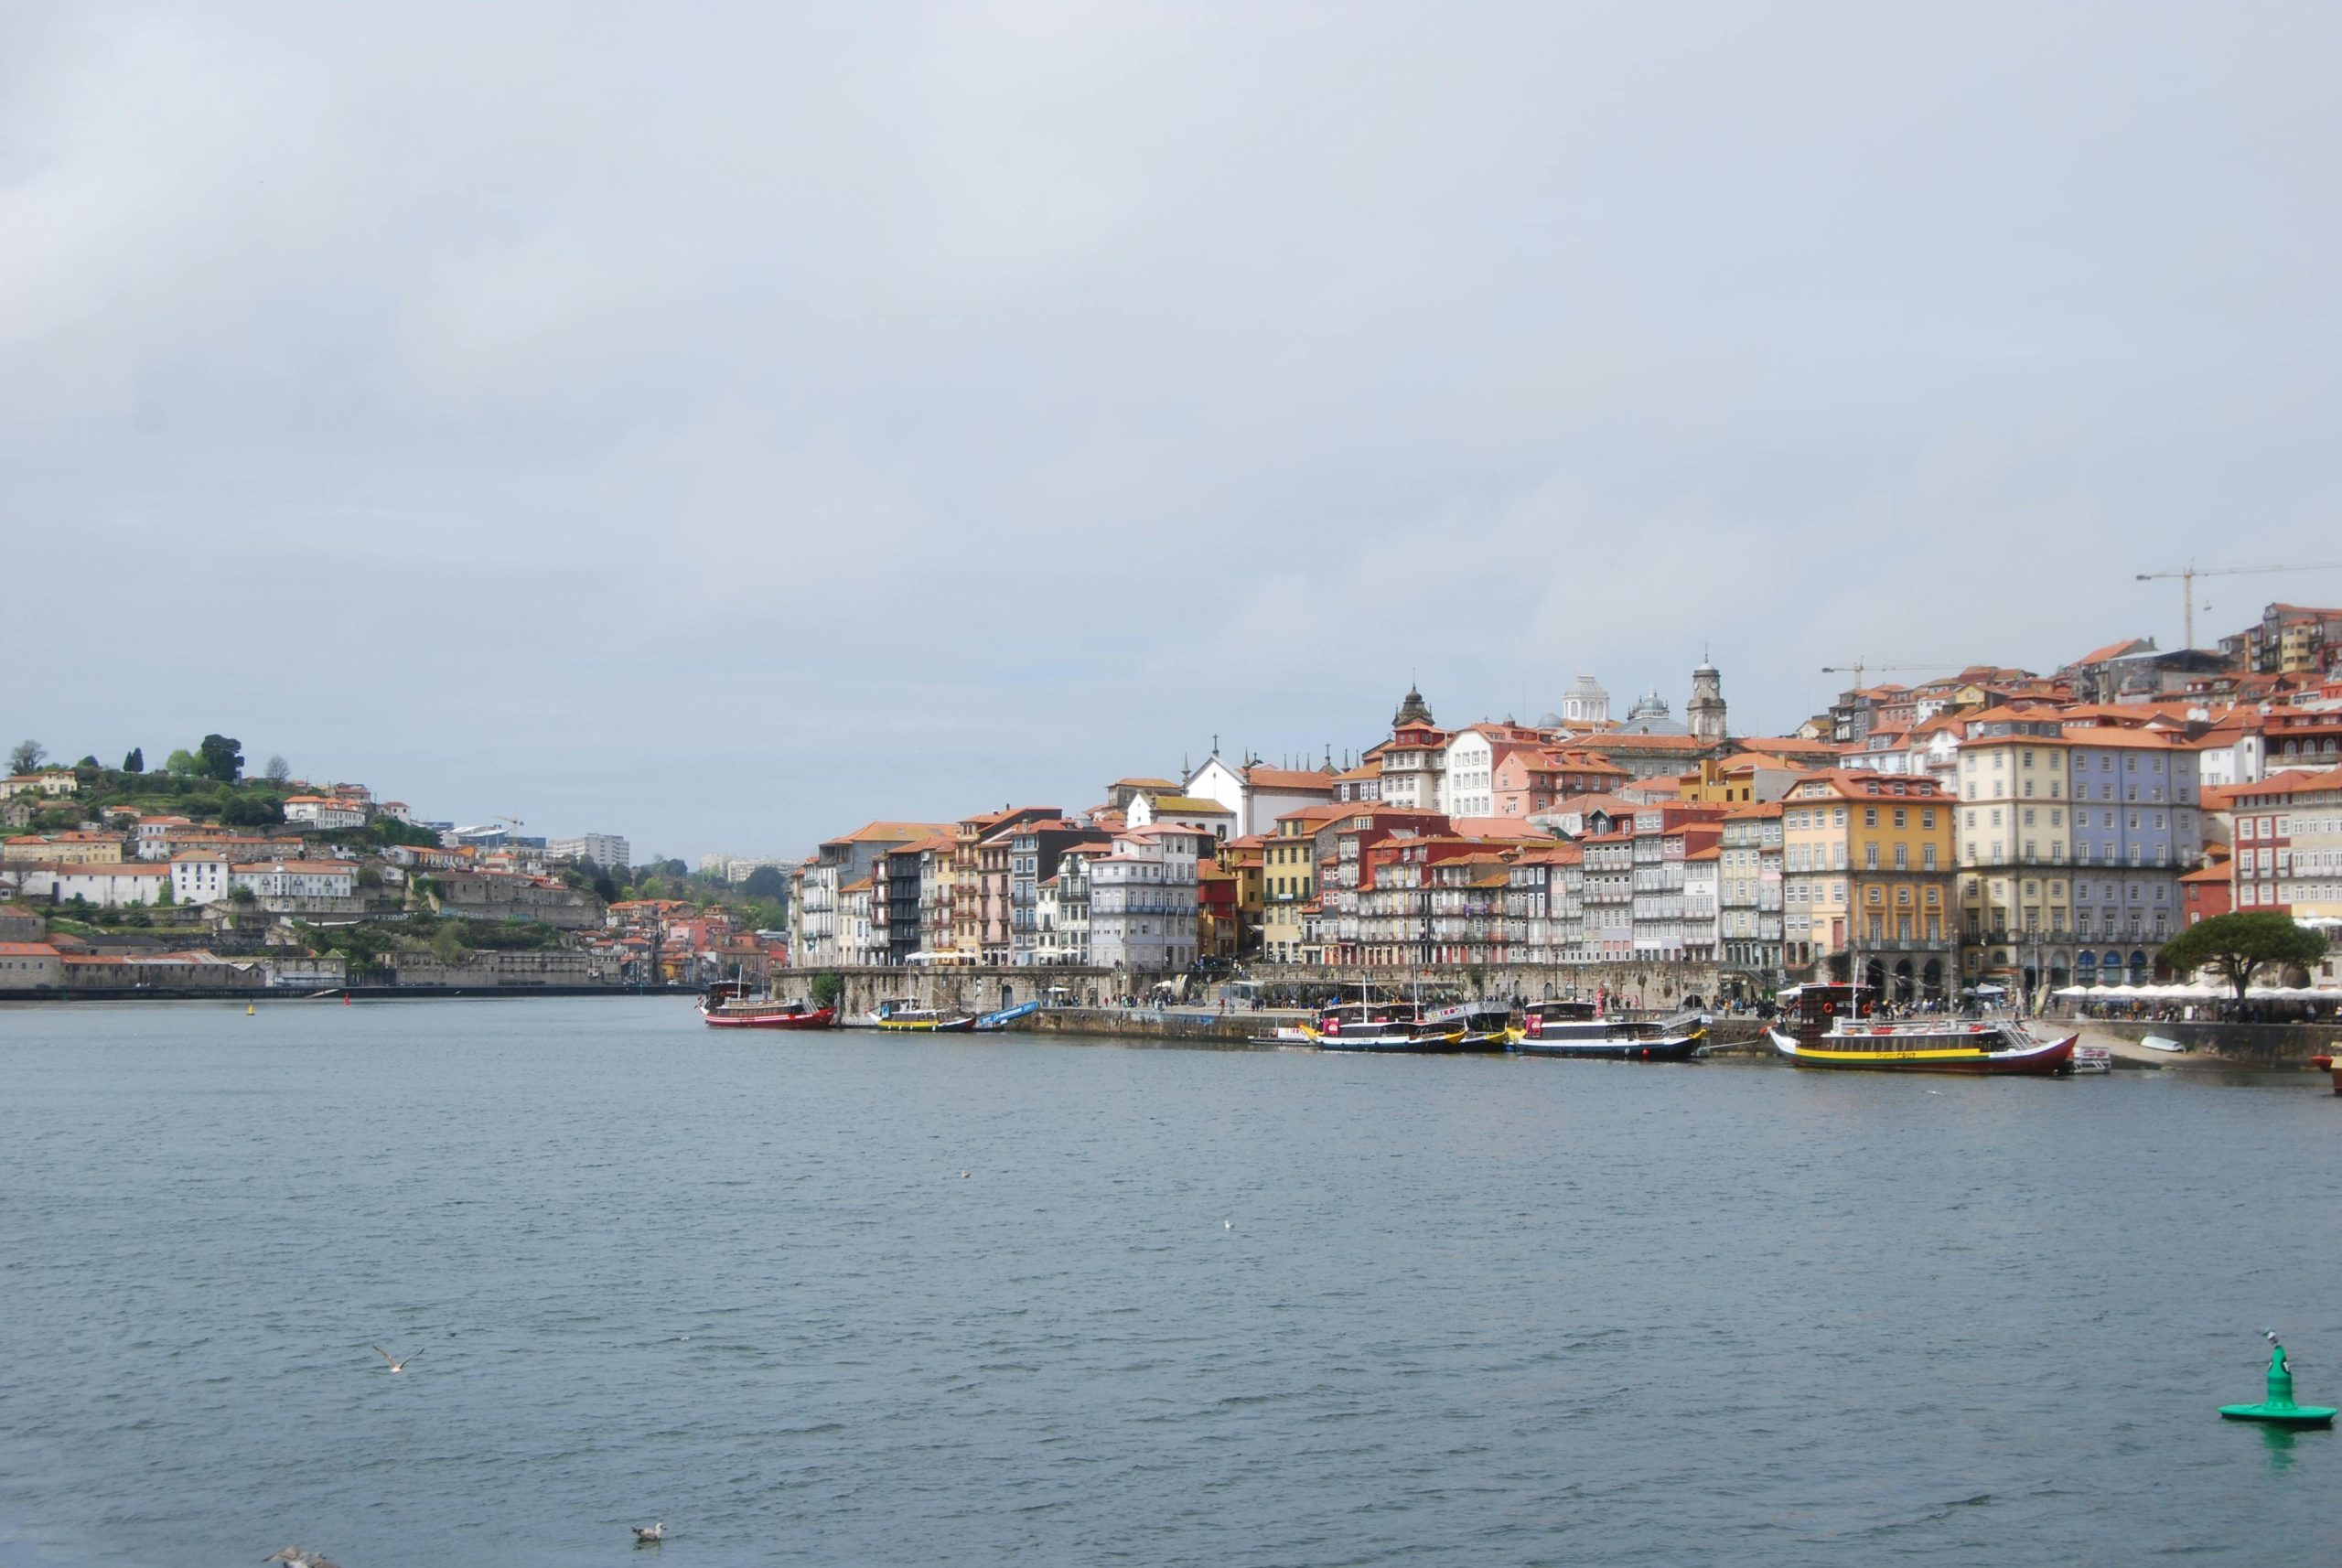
x=135 y=762
x=222 y=758
x=25 y=756
x=826 y=989
x=2237 y=947
x=448 y=943
x=278 y=770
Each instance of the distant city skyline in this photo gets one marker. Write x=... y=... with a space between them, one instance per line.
x=720 y=429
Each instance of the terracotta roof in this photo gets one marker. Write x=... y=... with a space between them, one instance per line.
x=2138 y=739
x=1262 y=777
x=2114 y=650
x=1189 y=805
x=27 y=950
x=1499 y=827
x=2291 y=782
x=1855 y=783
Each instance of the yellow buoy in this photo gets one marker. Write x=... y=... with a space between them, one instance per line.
x=248 y=1009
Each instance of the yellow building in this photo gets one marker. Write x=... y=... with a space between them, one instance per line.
x=78 y=848
x=1866 y=874
x=1289 y=879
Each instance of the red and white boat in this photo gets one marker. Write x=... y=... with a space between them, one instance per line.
x=724 y=1008
x=1827 y=1026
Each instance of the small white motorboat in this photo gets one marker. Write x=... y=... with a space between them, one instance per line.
x=2157 y=1043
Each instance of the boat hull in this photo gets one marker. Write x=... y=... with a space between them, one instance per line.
x=928 y=1026
x=1882 y=1053
x=819 y=1018
x=1393 y=1044
x=1667 y=1048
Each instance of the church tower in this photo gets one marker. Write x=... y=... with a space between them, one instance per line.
x=1412 y=709
x=1705 y=710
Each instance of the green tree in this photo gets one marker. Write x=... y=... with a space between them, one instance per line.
x=241 y=810
x=278 y=770
x=135 y=762
x=2237 y=947
x=182 y=765
x=447 y=942
x=827 y=989
x=765 y=882
x=222 y=758
x=605 y=888
x=25 y=756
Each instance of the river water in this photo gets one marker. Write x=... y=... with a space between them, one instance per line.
x=1186 y=1306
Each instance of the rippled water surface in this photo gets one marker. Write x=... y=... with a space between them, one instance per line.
x=1188 y=1306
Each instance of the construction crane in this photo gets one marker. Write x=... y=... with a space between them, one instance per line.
x=514 y=820
x=1859 y=665
x=2189 y=572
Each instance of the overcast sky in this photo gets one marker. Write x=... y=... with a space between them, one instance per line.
x=722 y=427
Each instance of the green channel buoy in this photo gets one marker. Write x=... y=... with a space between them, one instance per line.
x=2279 y=1409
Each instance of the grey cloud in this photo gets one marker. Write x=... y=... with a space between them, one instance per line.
x=718 y=424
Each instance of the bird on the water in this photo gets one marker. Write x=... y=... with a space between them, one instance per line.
x=649 y=1535
x=298 y=1558
x=396 y=1366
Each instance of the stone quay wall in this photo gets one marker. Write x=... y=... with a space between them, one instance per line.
x=2279 y=1046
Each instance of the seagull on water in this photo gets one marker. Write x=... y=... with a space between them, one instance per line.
x=649 y=1535
x=1228 y=1225
x=396 y=1366
x=964 y=1176
x=298 y=1558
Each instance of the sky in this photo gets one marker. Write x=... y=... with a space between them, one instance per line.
x=727 y=425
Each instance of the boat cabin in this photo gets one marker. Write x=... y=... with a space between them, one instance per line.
x=1810 y=1012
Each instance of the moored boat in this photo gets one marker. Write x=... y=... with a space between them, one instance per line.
x=1827 y=1026
x=927 y=1021
x=725 y=1008
x=1577 y=1028
x=1392 y=1027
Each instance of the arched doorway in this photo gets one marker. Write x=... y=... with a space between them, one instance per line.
x=1931 y=977
x=1903 y=981
x=2138 y=967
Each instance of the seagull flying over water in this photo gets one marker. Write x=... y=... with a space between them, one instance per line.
x=396 y=1366
x=650 y=1535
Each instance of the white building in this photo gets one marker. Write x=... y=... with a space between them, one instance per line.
x=324 y=812
x=198 y=876
x=109 y=886
x=296 y=879
x=607 y=851
x=1143 y=899
x=1257 y=794
x=1703 y=900
x=1206 y=816
x=1585 y=706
